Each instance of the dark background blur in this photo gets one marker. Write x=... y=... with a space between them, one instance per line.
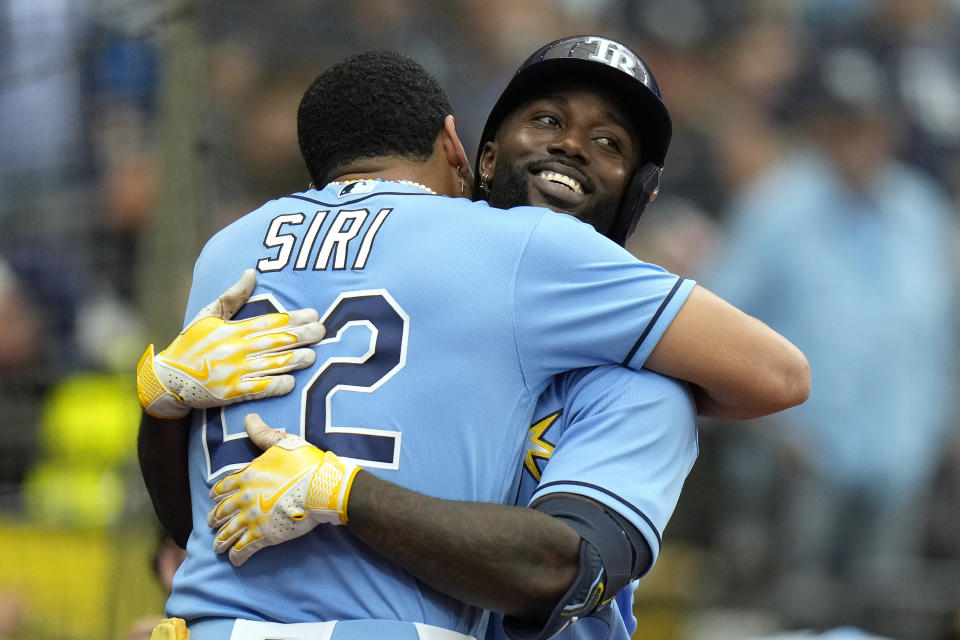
x=813 y=180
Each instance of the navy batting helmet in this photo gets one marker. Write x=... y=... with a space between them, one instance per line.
x=613 y=66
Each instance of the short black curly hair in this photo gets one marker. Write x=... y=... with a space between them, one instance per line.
x=372 y=104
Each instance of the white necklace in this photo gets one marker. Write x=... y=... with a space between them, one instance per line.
x=409 y=183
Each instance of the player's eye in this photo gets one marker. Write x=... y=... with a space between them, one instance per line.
x=609 y=143
x=547 y=119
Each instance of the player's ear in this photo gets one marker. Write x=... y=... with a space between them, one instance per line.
x=452 y=147
x=488 y=158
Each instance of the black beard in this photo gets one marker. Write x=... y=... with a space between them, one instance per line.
x=508 y=188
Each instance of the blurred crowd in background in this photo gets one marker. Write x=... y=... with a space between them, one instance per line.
x=813 y=180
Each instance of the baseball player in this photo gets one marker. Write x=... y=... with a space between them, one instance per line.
x=624 y=439
x=297 y=244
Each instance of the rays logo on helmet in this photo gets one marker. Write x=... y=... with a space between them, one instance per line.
x=618 y=56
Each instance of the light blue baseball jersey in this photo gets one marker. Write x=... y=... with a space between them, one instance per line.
x=624 y=438
x=445 y=320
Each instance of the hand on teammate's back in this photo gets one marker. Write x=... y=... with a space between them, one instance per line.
x=281 y=495
x=216 y=361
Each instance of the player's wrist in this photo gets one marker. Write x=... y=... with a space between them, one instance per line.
x=329 y=491
x=344 y=506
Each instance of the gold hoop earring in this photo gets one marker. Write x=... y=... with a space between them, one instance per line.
x=463 y=183
x=484 y=183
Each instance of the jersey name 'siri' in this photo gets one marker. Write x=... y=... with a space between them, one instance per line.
x=334 y=243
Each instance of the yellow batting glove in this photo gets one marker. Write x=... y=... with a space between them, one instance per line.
x=283 y=494
x=171 y=629
x=216 y=362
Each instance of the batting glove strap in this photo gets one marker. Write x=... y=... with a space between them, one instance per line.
x=155 y=398
x=329 y=489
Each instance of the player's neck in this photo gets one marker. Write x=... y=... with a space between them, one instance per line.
x=393 y=169
x=384 y=170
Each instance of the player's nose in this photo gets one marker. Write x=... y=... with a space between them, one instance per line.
x=569 y=141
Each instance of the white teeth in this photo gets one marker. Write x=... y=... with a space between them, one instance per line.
x=559 y=178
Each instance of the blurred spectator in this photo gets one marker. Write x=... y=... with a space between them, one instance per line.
x=25 y=345
x=121 y=96
x=943 y=534
x=272 y=162
x=917 y=47
x=40 y=102
x=82 y=321
x=722 y=68
x=13 y=613
x=88 y=430
x=848 y=253
x=20 y=340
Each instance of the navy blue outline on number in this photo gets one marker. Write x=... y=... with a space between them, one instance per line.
x=388 y=324
x=389 y=328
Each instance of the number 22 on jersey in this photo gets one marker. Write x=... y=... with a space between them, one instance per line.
x=388 y=325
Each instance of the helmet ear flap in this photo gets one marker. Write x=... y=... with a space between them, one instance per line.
x=642 y=190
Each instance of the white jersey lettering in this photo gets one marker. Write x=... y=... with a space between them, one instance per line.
x=285 y=241
x=368 y=238
x=307 y=247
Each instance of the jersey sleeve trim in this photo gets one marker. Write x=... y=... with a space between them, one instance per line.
x=682 y=286
x=645 y=524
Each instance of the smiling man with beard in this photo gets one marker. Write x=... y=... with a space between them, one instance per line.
x=580 y=128
x=570 y=149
